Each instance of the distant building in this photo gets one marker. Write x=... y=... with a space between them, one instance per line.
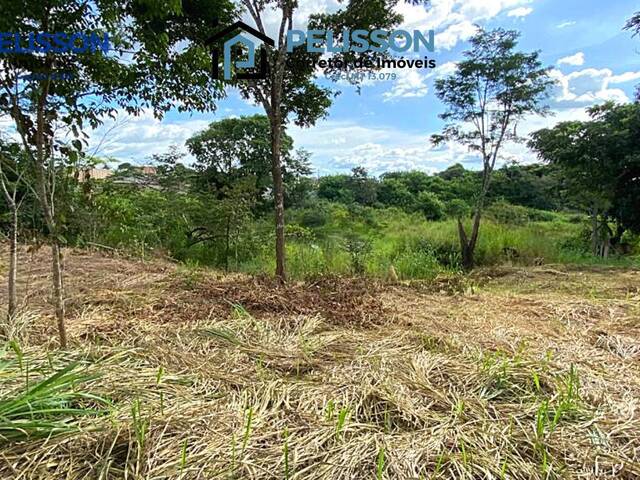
x=94 y=174
x=103 y=173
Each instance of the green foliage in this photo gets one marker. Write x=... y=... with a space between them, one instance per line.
x=324 y=237
x=599 y=159
x=503 y=212
x=457 y=208
x=358 y=249
x=239 y=149
x=430 y=206
x=47 y=407
x=450 y=192
x=100 y=83
x=491 y=89
x=492 y=72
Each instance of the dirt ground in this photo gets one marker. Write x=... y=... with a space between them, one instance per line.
x=507 y=373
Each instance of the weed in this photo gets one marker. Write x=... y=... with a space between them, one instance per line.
x=380 y=461
x=342 y=419
x=247 y=429
x=47 y=408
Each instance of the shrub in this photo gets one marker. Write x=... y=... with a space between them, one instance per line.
x=457 y=208
x=503 y=212
x=430 y=206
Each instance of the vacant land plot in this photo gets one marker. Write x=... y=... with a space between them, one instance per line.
x=182 y=373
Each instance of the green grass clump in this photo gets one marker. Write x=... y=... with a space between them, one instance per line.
x=47 y=407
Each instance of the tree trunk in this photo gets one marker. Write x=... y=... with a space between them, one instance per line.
x=57 y=278
x=595 y=243
x=13 y=267
x=473 y=241
x=278 y=193
x=464 y=243
x=47 y=201
x=58 y=290
x=468 y=244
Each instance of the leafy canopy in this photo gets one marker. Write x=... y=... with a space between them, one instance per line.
x=600 y=159
x=493 y=87
x=238 y=148
x=157 y=60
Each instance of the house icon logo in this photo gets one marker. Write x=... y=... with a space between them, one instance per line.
x=250 y=61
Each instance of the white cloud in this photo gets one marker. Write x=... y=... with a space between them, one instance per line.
x=458 y=32
x=577 y=60
x=453 y=20
x=520 y=12
x=566 y=24
x=591 y=85
x=624 y=78
x=271 y=18
x=444 y=70
x=410 y=83
x=342 y=145
x=338 y=146
x=135 y=139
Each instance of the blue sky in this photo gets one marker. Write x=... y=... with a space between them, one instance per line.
x=387 y=126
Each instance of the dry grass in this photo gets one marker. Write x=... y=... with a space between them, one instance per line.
x=520 y=374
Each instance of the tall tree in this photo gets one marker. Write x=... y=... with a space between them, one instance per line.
x=157 y=58
x=239 y=148
x=600 y=163
x=492 y=88
x=290 y=91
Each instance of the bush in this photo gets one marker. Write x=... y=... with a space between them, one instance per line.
x=430 y=206
x=457 y=208
x=503 y=212
x=314 y=218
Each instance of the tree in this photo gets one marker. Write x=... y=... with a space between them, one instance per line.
x=415 y=181
x=430 y=206
x=363 y=186
x=12 y=175
x=290 y=92
x=393 y=192
x=575 y=148
x=235 y=149
x=534 y=186
x=335 y=188
x=633 y=24
x=457 y=209
x=493 y=87
x=600 y=164
x=173 y=175
x=157 y=56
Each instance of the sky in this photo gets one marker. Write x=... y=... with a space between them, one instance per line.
x=387 y=126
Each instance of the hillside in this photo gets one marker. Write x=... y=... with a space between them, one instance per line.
x=509 y=373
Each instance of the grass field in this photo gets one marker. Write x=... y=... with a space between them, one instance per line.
x=182 y=373
x=337 y=239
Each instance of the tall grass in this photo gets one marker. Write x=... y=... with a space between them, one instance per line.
x=420 y=249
